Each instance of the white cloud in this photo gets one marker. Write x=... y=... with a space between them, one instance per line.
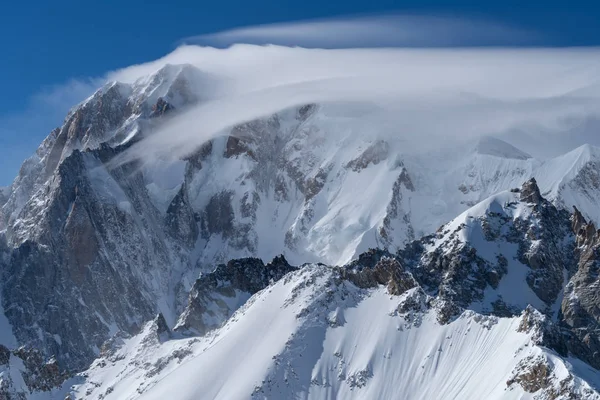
x=428 y=95
x=391 y=30
x=425 y=95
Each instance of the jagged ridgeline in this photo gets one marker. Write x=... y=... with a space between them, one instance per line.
x=90 y=254
x=497 y=293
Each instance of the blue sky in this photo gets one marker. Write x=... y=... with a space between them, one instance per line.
x=46 y=44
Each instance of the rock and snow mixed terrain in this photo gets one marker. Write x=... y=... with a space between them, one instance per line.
x=314 y=335
x=500 y=302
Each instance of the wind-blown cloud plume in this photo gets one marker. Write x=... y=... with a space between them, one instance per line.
x=391 y=30
x=421 y=96
x=418 y=93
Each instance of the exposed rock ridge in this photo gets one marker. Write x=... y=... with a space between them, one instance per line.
x=215 y=296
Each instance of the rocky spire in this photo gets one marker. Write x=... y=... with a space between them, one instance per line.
x=162 y=329
x=279 y=262
x=4 y=355
x=585 y=232
x=578 y=221
x=530 y=192
x=206 y=309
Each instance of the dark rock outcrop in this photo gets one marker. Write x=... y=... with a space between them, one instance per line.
x=160 y=328
x=387 y=271
x=4 y=355
x=181 y=219
x=395 y=211
x=530 y=192
x=161 y=108
x=215 y=296
x=31 y=369
x=40 y=375
x=581 y=302
x=374 y=154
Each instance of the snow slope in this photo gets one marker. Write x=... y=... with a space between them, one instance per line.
x=312 y=336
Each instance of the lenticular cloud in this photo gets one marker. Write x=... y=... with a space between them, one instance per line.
x=423 y=96
x=390 y=30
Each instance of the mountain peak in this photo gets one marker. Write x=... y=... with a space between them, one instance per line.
x=491 y=146
x=530 y=192
x=180 y=84
x=585 y=152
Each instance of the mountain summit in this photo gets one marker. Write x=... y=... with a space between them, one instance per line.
x=495 y=147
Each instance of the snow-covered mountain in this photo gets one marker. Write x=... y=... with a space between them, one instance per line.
x=315 y=336
x=453 y=316
x=91 y=251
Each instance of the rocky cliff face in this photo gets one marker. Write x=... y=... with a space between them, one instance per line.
x=87 y=254
x=581 y=303
x=24 y=371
